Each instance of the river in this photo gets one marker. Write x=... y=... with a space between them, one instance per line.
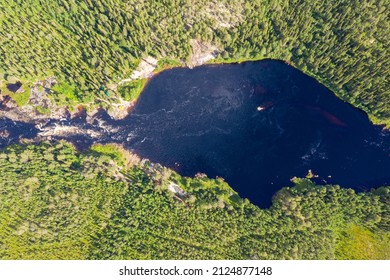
x=256 y=124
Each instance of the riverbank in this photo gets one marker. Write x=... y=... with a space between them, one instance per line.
x=39 y=106
x=62 y=204
x=233 y=104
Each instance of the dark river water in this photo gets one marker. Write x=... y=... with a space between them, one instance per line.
x=256 y=124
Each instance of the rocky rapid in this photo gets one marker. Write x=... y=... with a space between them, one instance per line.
x=256 y=124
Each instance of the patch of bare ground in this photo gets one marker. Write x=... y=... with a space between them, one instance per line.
x=201 y=53
x=144 y=70
x=39 y=97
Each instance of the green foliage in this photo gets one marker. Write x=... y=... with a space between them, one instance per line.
x=56 y=203
x=166 y=63
x=56 y=208
x=357 y=243
x=105 y=204
x=131 y=90
x=116 y=152
x=43 y=110
x=65 y=94
x=344 y=44
x=21 y=98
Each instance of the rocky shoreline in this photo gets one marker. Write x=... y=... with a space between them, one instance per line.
x=118 y=109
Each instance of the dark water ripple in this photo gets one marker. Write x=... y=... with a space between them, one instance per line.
x=207 y=120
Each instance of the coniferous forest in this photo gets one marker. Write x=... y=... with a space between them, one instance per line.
x=106 y=203
x=344 y=44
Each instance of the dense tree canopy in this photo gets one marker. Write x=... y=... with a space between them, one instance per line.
x=58 y=204
x=344 y=44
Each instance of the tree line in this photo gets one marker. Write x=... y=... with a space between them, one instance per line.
x=344 y=44
x=57 y=203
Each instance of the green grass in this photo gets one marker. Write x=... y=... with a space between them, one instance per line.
x=111 y=150
x=57 y=203
x=130 y=91
x=20 y=98
x=359 y=243
x=167 y=63
x=65 y=94
x=115 y=152
x=43 y=110
x=89 y=45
